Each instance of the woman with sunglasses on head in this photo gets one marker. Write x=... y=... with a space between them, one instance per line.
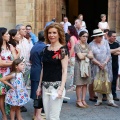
x=101 y=61
x=81 y=72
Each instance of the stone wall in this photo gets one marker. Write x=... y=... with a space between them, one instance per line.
x=25 y=12
x=7 y=13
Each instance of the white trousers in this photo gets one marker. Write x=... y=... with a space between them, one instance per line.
x=52 y=107
x=109 y=97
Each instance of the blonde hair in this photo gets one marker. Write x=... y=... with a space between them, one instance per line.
x=80 y=15
x=59 y=30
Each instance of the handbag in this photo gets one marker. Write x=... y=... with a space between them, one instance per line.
x=101 y=83
x=84 y=68
x=38 y=103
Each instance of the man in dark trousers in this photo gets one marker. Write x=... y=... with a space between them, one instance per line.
x=115 y=51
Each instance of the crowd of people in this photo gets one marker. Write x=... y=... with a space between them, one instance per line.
x=41 y=64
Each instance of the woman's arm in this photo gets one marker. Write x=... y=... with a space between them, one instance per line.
x=5 y=80
x=90 y=55
x=96 y=62
x=64 y=63
x=72 y=42
x=12 y=49
x=81 y=56
x=5 y=63
x=18 y=53
x=108 y=26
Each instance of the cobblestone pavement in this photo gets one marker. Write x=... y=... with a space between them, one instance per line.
x=71 y=112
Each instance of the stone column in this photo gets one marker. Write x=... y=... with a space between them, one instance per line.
x=112 y=14
x=118 y=17
x=25 y=12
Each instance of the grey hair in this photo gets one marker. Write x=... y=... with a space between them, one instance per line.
x=79 y=20
x=18 y=26
x=102 y=15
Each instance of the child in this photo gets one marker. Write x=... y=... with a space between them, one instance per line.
x=17 y=96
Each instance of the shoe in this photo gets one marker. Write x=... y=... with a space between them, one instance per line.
x=23 y=109
x=116 y=99
x=42 y=112
x=98 y=104
x=28 y=87
x=96 y=97
x=93 y=100
x=80 y=106
x=85 y=104
x=113 y=105
x=65 y=101
x=104 y=99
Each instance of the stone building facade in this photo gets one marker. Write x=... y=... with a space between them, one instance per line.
x=38 y=12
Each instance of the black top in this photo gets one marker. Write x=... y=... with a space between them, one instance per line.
x=114 y=57
x=52 y=68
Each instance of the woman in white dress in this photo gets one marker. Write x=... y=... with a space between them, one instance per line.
x=103 y=24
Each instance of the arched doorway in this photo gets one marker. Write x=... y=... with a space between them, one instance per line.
x=91 y=10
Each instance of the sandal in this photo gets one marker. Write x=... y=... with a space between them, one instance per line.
x=98 y=104
x=80 y=106
x=84 y=103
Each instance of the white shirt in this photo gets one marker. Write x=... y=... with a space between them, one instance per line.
x=103 y=25
x=66 y=26
x=83 y=24
x=25 y=48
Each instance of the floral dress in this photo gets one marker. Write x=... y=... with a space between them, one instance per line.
x=5 y=55
x=19 y=96
x=101 y=53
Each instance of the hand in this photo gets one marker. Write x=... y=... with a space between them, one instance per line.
x=39 y=91
x=102 y=66
x=11 y=87
x=60 y=92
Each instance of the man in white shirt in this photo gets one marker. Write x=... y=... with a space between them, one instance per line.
x=24 y=53
x=78 y=26
x=66 y=24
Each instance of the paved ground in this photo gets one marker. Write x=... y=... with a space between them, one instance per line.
x=71 y=112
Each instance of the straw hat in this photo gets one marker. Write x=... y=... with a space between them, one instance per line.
x=97 y=32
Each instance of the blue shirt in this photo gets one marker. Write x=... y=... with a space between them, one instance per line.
x=48 y=23
x=35 y=58
x=33 y=38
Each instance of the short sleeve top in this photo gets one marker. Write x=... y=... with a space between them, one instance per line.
x=52 y=67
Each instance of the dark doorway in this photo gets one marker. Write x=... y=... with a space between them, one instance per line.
x=91 y=10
